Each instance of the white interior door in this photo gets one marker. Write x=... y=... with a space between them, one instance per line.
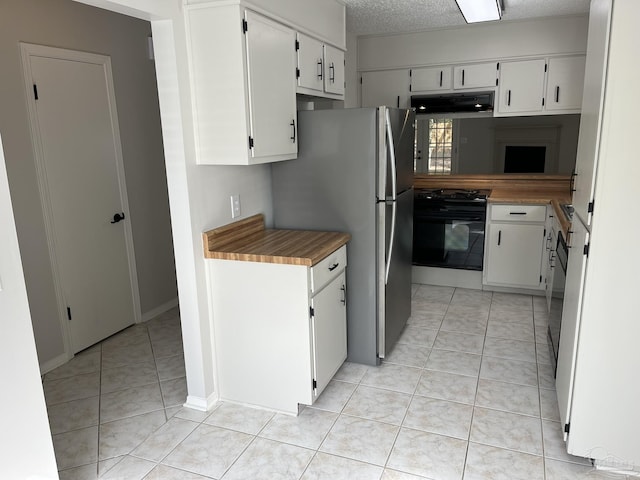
x=82 y=187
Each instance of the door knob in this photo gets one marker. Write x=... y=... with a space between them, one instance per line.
x=118 y=217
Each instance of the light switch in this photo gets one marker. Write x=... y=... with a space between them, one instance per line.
x=235 y=205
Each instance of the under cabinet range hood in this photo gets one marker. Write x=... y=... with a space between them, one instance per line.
x=453 y=102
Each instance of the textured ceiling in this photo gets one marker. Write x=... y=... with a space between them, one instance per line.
x=400 y=16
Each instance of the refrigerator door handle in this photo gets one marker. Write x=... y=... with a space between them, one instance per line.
x=394 y=192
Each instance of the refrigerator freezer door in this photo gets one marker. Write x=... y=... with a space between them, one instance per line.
x=402 y=128
x=395 y=305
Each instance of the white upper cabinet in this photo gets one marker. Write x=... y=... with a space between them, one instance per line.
x=386 y=87
x=542 y=86
x=310 y=64
x=565 y=81
x=521 y=87
x=320 y=68
x=431 y=79
x=334 y=71
x=479 y=75
x=243 y=70
x=271 y=80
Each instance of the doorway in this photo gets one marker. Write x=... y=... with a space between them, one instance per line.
x=81 y=180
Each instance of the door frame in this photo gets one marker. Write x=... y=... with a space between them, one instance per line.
x=28 y=50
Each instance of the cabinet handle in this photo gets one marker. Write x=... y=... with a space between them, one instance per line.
x=334 y=266
x=293 y=126
x=517 y=213
x=557 y=93
x=343 y=300
x=440 y=77
x=320 y=73
x=572 y=182
x=463 y=77
x=499 y=236
x=509 y=98
x=398 y=102
x=332 y=73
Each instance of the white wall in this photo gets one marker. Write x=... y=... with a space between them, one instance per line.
x=495 y=40
x=67 y=24
x=26 y=448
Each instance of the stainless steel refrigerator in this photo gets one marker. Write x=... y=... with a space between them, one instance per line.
x=354 y=173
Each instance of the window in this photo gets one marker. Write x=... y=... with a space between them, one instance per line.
x=440 y=146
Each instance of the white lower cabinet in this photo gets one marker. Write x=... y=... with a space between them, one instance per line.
x=280 y=330
x=514 y=246
x=328 y=324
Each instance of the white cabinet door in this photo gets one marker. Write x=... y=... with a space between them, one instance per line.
x=320 y=68
x=243 y=86
x=333 y=70
x=310 y=63
x=386 y=87
x=480 y=75
x=514 y=254
x=271 y=67
x=565 y=81
x=430 y=79
x=329 y=324
x=521 y=87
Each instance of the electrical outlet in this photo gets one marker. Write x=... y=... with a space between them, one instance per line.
x=235 y=205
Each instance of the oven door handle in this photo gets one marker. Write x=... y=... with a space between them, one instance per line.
x=394 y=193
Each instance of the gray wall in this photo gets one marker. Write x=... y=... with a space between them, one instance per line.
x=67 y=24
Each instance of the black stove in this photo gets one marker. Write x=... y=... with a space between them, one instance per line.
x=448 y=228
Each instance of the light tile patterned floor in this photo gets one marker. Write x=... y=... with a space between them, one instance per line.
x=467 y=393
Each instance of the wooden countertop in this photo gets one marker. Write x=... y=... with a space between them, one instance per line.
x=248 y=240
x=534 y=195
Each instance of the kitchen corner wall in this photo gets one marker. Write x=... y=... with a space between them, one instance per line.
x=67 y=24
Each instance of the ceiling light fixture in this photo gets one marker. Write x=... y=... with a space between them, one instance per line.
x=480 y=10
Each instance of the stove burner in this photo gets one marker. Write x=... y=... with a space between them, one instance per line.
x=450 y=194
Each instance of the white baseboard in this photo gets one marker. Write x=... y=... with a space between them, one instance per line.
x=201 y=404
x=523 y=291
x=146 y=316
x=55 y=362
x=447 y=277
x=453 y=277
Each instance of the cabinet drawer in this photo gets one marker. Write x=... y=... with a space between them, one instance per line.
x=328 y=268
x=519 y=213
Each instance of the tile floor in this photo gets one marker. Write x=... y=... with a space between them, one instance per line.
x=467 y=393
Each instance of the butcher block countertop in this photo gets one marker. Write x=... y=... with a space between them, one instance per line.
x=540 y=196
x=247 y=240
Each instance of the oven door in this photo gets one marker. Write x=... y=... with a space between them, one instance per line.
x=555 y=312
x=450 y=236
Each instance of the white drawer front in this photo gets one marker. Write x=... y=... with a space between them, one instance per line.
x=327 y=269
x=519 y=213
